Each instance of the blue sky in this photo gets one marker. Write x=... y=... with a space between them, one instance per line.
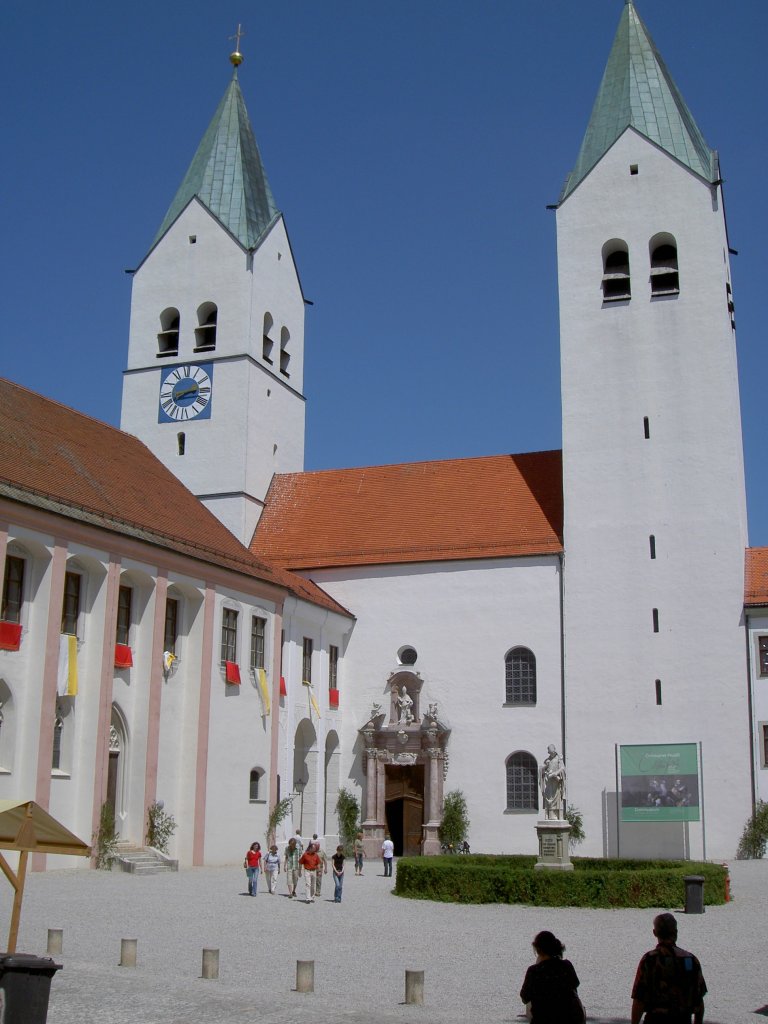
x=412 y=147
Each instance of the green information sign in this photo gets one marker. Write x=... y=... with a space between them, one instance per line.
x=660 y=782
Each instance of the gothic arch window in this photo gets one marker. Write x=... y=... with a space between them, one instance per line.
x=522 y=782
x=616 y=282
x=285 y=355
x=58 y=731
x=267 y=343
x=205 y=332
x=168 y=337
x=255 y=787
x=520 y=666
x=665 y=278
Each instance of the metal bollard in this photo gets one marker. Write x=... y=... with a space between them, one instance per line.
x=305 y=975
x=128 y=952
x=414 y=988
x=55 y=941
x=211 y=963
x=694 y=894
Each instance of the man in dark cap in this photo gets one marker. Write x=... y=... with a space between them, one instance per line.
x=669 y=986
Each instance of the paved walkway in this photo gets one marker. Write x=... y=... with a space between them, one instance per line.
x=474 y=956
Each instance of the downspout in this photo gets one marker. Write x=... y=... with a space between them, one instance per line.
x=561 y=560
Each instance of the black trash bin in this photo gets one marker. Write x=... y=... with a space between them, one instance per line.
x=694 y=894
x=25 y=980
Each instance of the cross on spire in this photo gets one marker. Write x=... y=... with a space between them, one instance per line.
x=236 y=58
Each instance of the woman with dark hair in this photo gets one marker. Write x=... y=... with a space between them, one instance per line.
x=550 y=985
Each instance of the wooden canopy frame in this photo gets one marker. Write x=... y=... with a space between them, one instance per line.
x=26 y=828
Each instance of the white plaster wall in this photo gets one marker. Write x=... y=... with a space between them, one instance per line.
x=239 y=740
x=256 y=426
x=674 y=361
x=462 y=618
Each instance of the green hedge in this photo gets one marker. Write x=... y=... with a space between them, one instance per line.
x=592 y=883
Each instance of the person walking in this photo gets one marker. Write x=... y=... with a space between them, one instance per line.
x=292 y=867
x=669 y=987
x=322 y=868
x=310 y=861
x=359 y=853
x=387 y=855
x=252 y=865
x=549 y=989
x=272 y=868
x=337 y=866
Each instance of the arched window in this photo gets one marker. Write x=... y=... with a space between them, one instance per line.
x=205 y=332
x=665 y=279
x=168 y=338
x=72 y=603
x=522 y=782
x=520 y=676
x=267 y=343
x=616 y=282
x=254 y=789
x=13 y=589
x=285 y=355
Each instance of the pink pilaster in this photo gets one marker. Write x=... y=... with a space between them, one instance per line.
x=203 y=730
x=274 y=754
x=48 y=695
x=106 y=682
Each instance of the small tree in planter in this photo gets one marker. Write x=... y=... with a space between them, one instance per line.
x=105 y=838
x=754 y=838
x=160 y=827
x=277 y=816
x=348 y=812
x=575 y=819
x=454 y=828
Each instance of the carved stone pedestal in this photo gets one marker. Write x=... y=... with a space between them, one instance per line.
x=553 y=845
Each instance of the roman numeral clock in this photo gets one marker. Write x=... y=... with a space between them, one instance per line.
x=185 y=393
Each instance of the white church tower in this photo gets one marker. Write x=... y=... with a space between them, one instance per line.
x=655 y=509
x=214 y=379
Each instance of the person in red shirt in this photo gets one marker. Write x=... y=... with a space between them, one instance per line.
x=252 y=865
x=310 y=861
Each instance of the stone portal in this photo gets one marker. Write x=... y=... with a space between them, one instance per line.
x=404 y=766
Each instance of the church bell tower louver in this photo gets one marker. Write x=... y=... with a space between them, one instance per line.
x=214 y=380
x=653 y=480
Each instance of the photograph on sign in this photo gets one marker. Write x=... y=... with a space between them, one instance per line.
x=660 y=782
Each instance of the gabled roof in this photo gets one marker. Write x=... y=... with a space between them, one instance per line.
x=637 y=91
x=227 y=175
x=59 y=460
x=500 y=506
x=756 y=577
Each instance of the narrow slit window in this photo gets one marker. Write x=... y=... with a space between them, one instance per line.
x=646 y=428
x=652 y=545
x=658 y=691
x=655 y=620
x=182 y=442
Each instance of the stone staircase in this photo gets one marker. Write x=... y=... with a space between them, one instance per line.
x=140 y=860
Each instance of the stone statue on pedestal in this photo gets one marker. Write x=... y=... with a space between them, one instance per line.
x=552 y=782
x=405 y=706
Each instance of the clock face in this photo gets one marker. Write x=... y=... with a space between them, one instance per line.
x=185 y=393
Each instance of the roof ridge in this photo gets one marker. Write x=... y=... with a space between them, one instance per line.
x=420 y=462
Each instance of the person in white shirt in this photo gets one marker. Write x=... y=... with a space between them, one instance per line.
x=388 y=855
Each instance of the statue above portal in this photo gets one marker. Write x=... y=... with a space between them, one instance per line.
x=405 y=707
x=552 y=782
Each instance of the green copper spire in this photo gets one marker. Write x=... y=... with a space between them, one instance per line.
x=637 y=91
x=227 y=176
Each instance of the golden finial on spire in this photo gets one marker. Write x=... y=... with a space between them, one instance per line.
x=236 y=58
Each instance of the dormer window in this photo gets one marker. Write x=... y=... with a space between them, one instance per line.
x=285 y=355
x=267 y=342
x=665 y=279
x=205 y=332
x=168 y=338
x=616 y=283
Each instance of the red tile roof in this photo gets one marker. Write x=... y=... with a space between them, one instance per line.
x=56 y=458
x=499 y=506
x=756 y=577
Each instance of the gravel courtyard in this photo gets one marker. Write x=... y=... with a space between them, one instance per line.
x=474 y=956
